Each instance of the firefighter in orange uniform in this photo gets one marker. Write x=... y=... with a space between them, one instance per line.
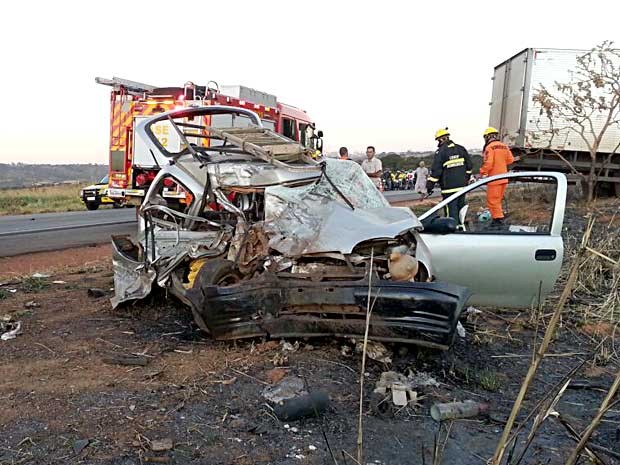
x=497 y=156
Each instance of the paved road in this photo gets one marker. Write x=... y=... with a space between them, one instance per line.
x=401 y=196
x=54 y=231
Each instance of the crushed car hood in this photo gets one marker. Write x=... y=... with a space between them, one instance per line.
x=317 y=219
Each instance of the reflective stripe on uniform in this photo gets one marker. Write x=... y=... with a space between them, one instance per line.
x=451 y=191
x=454 y=161
x=432 y=179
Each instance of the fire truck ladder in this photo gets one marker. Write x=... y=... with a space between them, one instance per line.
x=266 y=145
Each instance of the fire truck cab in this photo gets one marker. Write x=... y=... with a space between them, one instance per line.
x=132 y=166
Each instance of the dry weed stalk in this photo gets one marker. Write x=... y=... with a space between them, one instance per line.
x=585 y=437
x=360 y=425
x=542 y=349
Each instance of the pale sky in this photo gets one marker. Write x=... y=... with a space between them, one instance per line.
x=383 y=73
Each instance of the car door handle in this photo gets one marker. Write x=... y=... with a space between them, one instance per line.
x=545 y=255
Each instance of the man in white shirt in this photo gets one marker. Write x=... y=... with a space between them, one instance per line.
x=372 y=166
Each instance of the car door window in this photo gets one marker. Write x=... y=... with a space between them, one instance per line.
x=510 y=264
x=523 y=205
x=526 y=207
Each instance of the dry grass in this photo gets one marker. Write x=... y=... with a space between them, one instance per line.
x=597 y=293
x=40 y=200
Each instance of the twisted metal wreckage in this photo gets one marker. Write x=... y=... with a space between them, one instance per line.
x=259 y=239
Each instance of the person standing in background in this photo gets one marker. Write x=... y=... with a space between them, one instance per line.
x=421 y=175
x=451 y=168
x=496 y=158
x=372 y=166
x=344 y=153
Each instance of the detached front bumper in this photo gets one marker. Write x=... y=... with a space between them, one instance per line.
x=419 y=313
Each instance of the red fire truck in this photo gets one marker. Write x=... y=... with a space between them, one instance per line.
x=133 y=167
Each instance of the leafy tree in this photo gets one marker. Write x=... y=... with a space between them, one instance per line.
x=588 y=105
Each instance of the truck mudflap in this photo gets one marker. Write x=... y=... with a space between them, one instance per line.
x=425 y=314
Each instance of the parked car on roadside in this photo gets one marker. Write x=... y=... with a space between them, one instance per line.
x=268 y=242
x=94 y=195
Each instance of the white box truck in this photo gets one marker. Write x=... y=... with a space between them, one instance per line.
x=522 y=124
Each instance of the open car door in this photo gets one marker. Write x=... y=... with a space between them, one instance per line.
x=506 y=265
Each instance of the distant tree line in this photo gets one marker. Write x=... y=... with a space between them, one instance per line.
x=394 y=161
x=14 y=175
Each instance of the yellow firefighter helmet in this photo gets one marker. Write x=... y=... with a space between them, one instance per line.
x=441 y=132
x=490 y=130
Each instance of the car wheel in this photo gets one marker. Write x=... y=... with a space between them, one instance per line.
x=117 y=205
x=92 y=205
x=219 y=272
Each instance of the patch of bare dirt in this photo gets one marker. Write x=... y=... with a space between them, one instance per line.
x=20 y=265
x=66 y=400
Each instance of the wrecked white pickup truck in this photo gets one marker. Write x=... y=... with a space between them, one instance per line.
x=262 y=240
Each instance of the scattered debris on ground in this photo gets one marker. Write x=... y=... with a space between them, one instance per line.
x=456 y=410
x=9 y=329
x=85 y=384
x=288 y=388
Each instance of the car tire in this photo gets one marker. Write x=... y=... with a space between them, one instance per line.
x=92 y=205
x=219 y=272
x=117 y=205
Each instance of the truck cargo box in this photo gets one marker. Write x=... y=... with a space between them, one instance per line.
x=518 y=117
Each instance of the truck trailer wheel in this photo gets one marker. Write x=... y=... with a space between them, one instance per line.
x=92 y=205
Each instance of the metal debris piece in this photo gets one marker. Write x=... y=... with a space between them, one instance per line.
x=460 y=330
x=32 y=304
x=10 y=330
x=289 y=387
x=375 y=350
x=59 y=282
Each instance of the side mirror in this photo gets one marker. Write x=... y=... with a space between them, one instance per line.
x=319 y=133
x=440 y=225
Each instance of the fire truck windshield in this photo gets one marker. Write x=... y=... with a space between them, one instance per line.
x=306 y=135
